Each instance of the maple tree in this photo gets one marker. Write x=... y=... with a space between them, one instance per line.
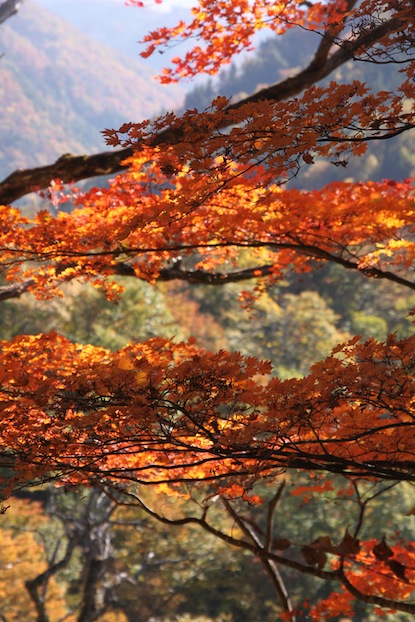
x=202 y=197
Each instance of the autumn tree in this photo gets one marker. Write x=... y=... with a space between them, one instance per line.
x=202 y=197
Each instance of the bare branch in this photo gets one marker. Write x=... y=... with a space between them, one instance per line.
x=337 y=576
x=272 y=504
x=270 y=566
x=320 y=67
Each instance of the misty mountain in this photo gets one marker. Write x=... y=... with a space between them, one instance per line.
x=59 y=88
x=114 y=24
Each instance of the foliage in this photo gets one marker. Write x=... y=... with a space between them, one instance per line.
x=86 y=316
x=204 y=201
x=291 y=330
x=280 y=57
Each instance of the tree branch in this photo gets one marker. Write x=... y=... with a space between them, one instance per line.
x=380 y=601
x=68 y=168
x=272 y=504
x=16 y=290
x=204 y=277
x=321 y=66
x=36 y=587
x=9 y=8
x=189 y=520
x=74 y=168
x=336 y=576
x=270 y=566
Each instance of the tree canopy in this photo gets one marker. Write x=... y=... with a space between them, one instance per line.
x=205 y=197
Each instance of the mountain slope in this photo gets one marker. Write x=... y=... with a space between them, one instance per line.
x=280 y=57
x=59 y=88
x=120 y=26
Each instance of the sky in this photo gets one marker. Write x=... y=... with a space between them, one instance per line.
x=166 y=6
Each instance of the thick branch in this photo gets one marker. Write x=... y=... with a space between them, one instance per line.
x=68 y=168
x=15 y=290
x=9 y=8
x=74 y=168
x=197 y=277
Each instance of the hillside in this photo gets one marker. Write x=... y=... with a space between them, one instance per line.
x=277 y=58
x=59 y=88
x=113 y=23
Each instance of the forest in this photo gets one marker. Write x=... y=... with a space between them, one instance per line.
x=207 y=360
